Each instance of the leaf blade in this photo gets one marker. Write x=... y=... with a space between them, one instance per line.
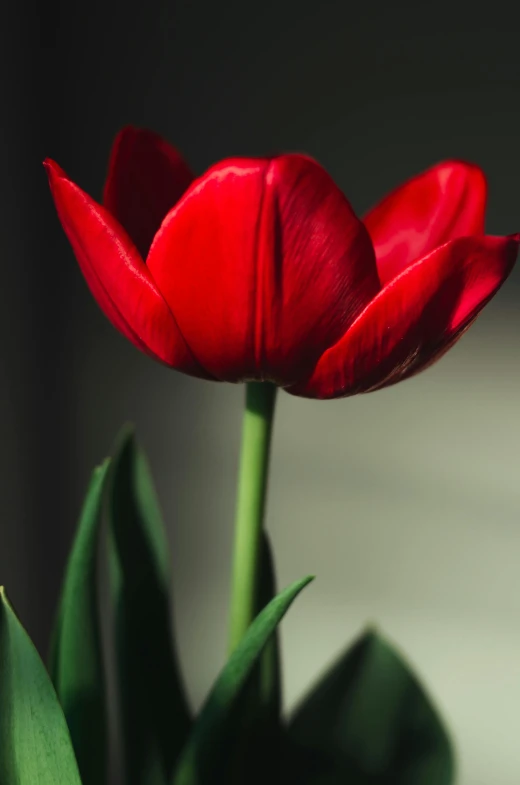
x=371 y=718
x=153 y=709
x=269 y=668
x=257 y=713
x=200 y=760
x=34 y=738
x=76 y=661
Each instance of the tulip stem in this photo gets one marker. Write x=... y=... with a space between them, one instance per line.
x=252 y=489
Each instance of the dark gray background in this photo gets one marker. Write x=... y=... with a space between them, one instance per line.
x=406 y=503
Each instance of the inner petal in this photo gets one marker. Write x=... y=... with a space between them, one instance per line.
x=316 y=268
x=146 y=178
x=443 y=203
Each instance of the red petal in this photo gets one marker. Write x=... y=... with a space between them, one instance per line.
x=264 y=265
x=202 y=259
x=445 y=202
x=146 y=177
x=117 y=276
x=415 y=319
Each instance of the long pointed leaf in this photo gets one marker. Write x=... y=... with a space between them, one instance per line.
x=269 y=670
x=154 y=713
x=370 y=720
x=35 y=746
x=258 y=729
x=76 y=658
x=202 y=759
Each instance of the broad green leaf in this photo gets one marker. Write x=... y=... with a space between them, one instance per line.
x=35 y=746
x=371 y=721
x=76 y=656
x=153 y=709
x=212 y=736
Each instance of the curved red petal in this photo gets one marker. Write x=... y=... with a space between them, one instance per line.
x=445 y=202
x=117 y=276
x=317 y=271
x=415 y=319
x=265 y=265
x=202 y=260
x=146 y=177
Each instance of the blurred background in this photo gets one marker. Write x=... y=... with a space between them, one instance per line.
x=405 y=503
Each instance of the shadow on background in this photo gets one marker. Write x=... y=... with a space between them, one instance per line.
x=404 y=503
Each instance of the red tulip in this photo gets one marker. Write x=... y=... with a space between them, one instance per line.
x=260 y=269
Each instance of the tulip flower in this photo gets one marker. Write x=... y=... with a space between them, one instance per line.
x=260 y=269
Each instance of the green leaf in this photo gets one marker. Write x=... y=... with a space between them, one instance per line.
x=370 y=720
x=153 y=709
x=76 y=656
x=256 y=714
x=212 y=736
x=268 y=671
x=35 y=746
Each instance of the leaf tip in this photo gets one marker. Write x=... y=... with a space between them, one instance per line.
x=372 y=630
x=102 y=468
x=127 y=432
x=124 y=439
x=125 y=451
x=5 y=605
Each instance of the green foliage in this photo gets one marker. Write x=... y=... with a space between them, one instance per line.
x=368 y=720
x=76 y=667
x=35 y=746
x=153 y=712
x=206 y=756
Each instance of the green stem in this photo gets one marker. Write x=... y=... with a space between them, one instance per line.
x=252 y=487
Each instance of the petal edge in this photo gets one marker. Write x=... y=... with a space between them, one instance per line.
x=444 y=202
x=146 y=177
x=117 y=276
x=415 y=319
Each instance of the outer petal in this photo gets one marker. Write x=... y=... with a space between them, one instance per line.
x=146 y=177
x=415 y=319
x=117 y=276
x=445 y=202
x=265 y=265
